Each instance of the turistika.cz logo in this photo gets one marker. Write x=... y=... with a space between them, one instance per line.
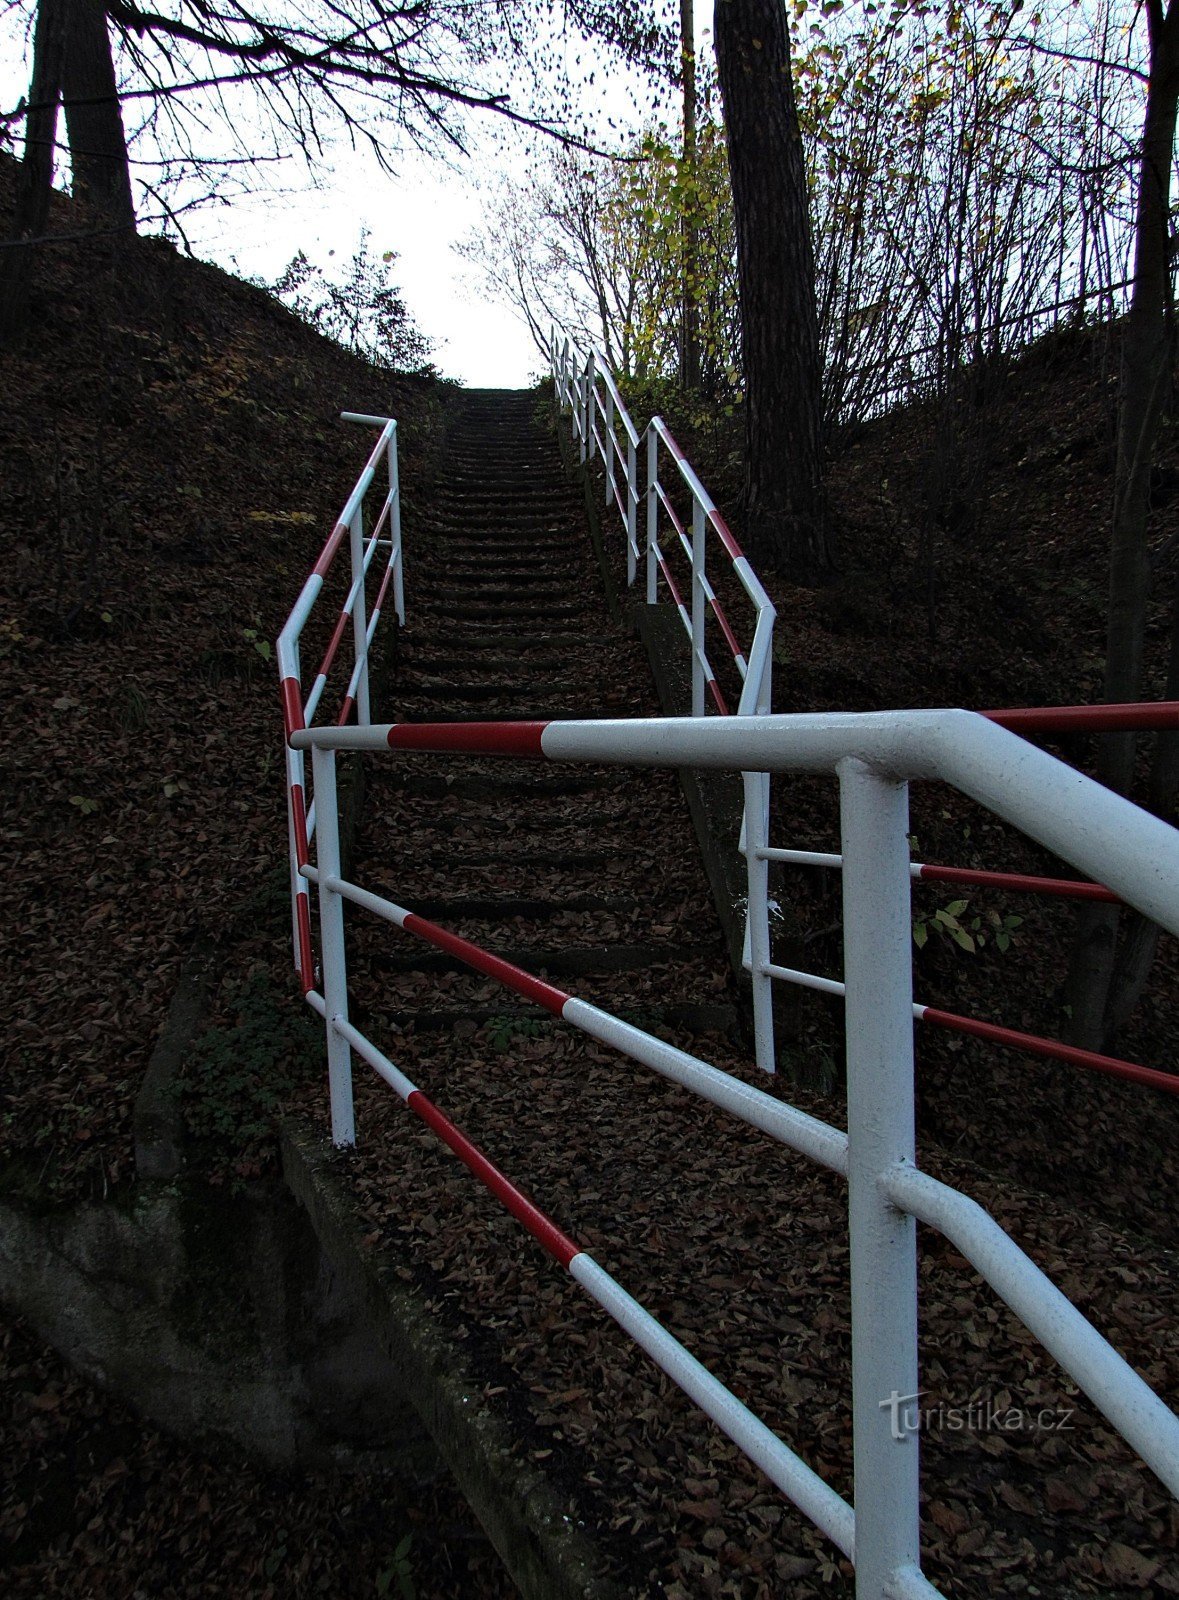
x=907 y=1416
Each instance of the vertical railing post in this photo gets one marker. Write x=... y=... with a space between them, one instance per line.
x=632 y=509
x=359 y=615
x=698 y=605
x=652 y=515
x=874 y=812
x=395 y=529
x=757 y=920
x=611 y=445
x=581 y=385
x=591 y=405
x=331 y=934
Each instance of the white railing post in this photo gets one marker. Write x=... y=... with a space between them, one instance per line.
x=611 y=445
x=632 y=509
x=581 y=410
x=398 y=555
x=698 y=605
x=652 y=515
x=359 y=615
x=757 y=920
x=331 y=934
x=591 y=406
x=874 y=813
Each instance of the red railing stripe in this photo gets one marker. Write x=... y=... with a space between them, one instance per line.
x=328 y=554
x=726 y=538
x=714 y=689
x=1166 y=1081
x=292 y=705
x=306 y=960
x=345 y=711
x=381 y=594
x=475 y=738
x=513 y=977
x=299 y=814
x=1139 y=716
x=558 y=1244
x=330 y=653
x=1019 y=882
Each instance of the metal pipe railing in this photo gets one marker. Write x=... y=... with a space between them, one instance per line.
x=576 y=382
x=299 y=713
x=874 y=757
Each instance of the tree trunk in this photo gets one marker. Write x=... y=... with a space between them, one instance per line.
x=784 y=519
x=34 y=184
x=689 y=226
x=1144 y=382
x=94 y=118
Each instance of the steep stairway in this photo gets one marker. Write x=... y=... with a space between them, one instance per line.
x=583 y=875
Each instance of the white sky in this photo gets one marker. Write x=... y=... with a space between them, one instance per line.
x=421 y=214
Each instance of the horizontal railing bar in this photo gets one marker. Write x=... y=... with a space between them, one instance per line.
x=1110 y=1382
x=715 y=605
x=1031 y=1043
x=602 y=370
x=786 y=1470
x=1135 y=716
x=1090 y=1060
x=1017 y=882
x=805 y=1134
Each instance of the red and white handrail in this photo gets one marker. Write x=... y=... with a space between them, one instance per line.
x=300 y=712
x=586 y=386
x=874 y=756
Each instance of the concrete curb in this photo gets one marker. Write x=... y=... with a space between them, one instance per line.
x=548 y=1557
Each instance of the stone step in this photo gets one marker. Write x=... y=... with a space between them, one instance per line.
x=537 y=784
x=492 y=908
x=446 y=693
x=479 y=640
x=691 y=1017
x=477 y=613
x=568 y=962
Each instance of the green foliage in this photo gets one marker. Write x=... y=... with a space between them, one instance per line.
x=969 y=933
x=502 y=1032
x=399 y=1572
x=361 y=310
x=257 y=642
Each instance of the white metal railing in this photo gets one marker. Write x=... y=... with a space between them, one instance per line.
x=299 y=711
x=874 y=756
x=585 y=385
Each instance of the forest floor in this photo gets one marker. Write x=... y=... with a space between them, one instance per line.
x=169 y=459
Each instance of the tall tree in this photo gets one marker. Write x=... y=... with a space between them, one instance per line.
x=1147 y=347
x=690 y=224
x=34 y=182
x=784 y=520
x=94 y=117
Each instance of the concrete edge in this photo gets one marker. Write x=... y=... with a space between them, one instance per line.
x=157 y=1120
x=547 y=1557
